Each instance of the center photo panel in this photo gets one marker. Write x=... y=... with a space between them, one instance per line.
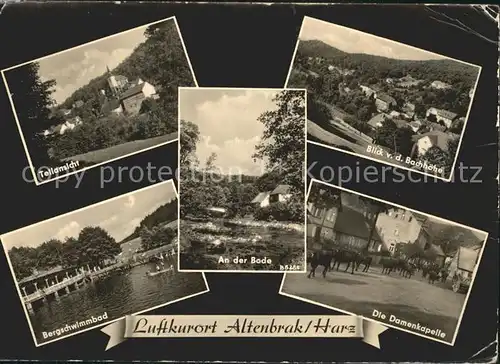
x=242 y=186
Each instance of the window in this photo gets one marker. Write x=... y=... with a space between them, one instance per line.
x=313 y=231
x=330 y=215
x=392 y=247
x=410 y=219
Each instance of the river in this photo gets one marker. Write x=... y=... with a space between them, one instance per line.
x=117 y=295
x=279 y=245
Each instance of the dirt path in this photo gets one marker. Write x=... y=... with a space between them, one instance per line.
x=412 y=299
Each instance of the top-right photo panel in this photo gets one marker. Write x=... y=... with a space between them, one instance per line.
x=382 y=100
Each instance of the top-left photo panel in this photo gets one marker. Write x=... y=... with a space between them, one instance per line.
x=100 y=101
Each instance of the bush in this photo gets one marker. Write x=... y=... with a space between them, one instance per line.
x=275 y=212
x=110 y=131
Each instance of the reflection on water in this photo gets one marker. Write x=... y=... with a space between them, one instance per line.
x=118 y=295
x=204 y=243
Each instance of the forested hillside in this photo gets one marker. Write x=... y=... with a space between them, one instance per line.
x=446 y=70
x=163 y=214
x=160 y=60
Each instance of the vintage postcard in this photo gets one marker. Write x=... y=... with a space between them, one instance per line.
x=100 y=101
x=95 y=265
x=383 y=100
x=242 y=154
x=387 y=263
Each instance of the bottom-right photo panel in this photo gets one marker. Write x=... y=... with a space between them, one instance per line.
x=387 y=263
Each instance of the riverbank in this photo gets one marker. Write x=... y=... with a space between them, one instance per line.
x=264 y=246
x=288 y=226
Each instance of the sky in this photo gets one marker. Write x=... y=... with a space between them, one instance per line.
x=354 y=41
x=227 y=120
x=119 y=217
x=75 y=67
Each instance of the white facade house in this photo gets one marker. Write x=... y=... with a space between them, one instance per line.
x=281 y=193
x=447 y=117
x=261 y=200
x=433 y=138
x=440 y=85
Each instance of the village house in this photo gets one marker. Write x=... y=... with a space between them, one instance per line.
x=368 y=91
x=352 y=230
x=116 y=83
x=320 y=224
x=440 y=85
x=409 y=110
x=423 y=142
x=281 y=193
x=464 y=261
x=62 y=128
x=347 y=223
x=394 y=114
x=112 y=106
x=408 y=81
x=261 y=200
x=131 y=100
x=435 y=253
x=444 y=116
x=397 y=226
x=377 y=121
x=384 y=102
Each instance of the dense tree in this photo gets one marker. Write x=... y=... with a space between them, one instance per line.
x=24 y=261
x=268 y=181
x=93 y=246
x=96 y=245
x=282 y=145
x=166 y=213
x=33 y=102
x=156 y=237
x=436 y=156
x=396 y=139
x=159 y=60
x=190 y=136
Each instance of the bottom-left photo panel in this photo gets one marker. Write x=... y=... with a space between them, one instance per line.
x=95 y=265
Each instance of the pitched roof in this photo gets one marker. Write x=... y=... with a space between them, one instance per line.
x=260 y=197
x=110 y=105
x=386 y=98
x=132 y=91
x=438 y=138
x=281 y=189
x=446 y=114
x=377 y=119
x=352 y=222
x=441 y=83
x=435 y=250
